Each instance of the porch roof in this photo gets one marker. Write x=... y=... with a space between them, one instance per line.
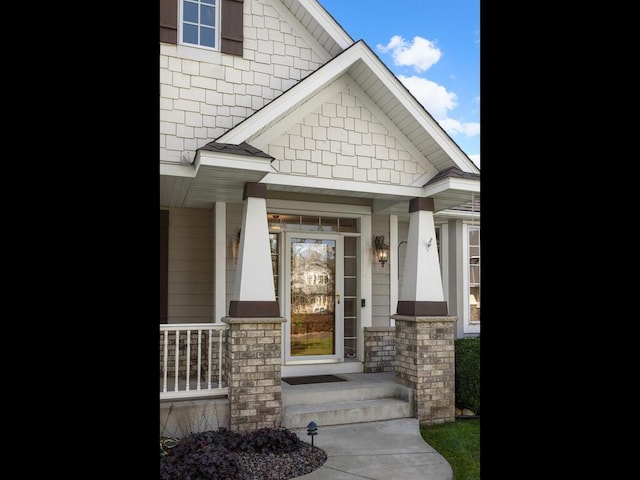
x=222 y=167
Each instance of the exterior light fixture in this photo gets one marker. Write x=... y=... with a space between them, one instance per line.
x=312 y=430
x=235 y=244
x=382 y=250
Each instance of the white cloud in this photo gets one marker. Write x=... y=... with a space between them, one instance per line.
x=438 y=101
x=453 y=127
x=432 y=96
x=421 y=54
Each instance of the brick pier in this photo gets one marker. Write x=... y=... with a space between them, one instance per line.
x=253 y=360
x=425 y=362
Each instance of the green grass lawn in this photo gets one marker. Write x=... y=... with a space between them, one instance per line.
x=459 y=443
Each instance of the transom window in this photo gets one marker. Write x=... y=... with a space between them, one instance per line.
x=311 y=223
x=200 y=22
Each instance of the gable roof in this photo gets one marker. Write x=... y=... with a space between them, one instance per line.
x=242 y=149
x=387 y=92
x=453 y=172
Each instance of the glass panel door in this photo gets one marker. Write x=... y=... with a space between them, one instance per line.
x=314 y=303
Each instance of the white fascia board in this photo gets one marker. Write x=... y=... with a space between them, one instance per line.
x=234 y=161
x=176 y=170
x=327 y=22
x=451 y=184
x=306 y=88
x=342 y=185
x=418 y=111
x=475 y=216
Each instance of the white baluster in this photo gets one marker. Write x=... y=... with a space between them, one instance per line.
x=166 y=361
x=188 y=359
x=209 y=358
x=199 y=356
x=220 y=358
x=177 y=361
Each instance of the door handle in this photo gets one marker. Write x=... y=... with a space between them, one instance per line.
x=338 y=296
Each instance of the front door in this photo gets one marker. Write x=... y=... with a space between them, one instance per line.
x=314 y=272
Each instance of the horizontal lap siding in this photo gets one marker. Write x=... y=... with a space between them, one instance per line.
x=190 y=266
x=380 y=277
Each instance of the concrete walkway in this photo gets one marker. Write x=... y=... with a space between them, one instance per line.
x=385 y=450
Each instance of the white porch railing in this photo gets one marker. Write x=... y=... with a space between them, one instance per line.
x=192 y=360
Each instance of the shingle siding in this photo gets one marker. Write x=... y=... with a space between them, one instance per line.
x=195 y=85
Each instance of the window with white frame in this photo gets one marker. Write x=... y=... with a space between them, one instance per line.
x=474 y=274
x=199 y=23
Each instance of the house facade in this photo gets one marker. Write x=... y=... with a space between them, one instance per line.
x=288 y=153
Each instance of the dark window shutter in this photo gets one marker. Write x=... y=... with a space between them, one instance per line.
x=169 y=21
x=231 y=26
x=164 y=264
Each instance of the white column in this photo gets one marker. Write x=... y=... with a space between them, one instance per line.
x=220 y=255
x=422 y=292
x=254 y=277
x=422 y=280
x=394 y=266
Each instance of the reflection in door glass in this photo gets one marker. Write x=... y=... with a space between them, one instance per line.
x=313 y=266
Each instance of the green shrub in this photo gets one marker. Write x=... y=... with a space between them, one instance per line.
x=468 y=373
x=215 y=455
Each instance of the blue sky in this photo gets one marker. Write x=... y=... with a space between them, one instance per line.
x=433 y=47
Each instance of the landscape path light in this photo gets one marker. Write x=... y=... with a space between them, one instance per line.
x=312 y=429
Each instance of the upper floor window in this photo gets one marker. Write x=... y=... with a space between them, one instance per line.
x=199 y=21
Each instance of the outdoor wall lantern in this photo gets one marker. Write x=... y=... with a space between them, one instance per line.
x=235 y=245
x=382 y=250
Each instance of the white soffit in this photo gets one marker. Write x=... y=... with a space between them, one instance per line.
x=225 y=161
x=174 y=190
x=320 y=24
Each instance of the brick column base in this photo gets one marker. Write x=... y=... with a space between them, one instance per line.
x=253 y=360
x=425 y=362
x=379 y=349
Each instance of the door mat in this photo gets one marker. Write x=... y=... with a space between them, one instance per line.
x=312 y=379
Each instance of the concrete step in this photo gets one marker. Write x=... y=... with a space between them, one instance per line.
x=361 y=398
x=341 y=413
x=338 y=392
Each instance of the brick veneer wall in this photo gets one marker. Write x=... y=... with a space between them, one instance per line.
x=425 y=362
x=253 y=359
x=379 y=349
